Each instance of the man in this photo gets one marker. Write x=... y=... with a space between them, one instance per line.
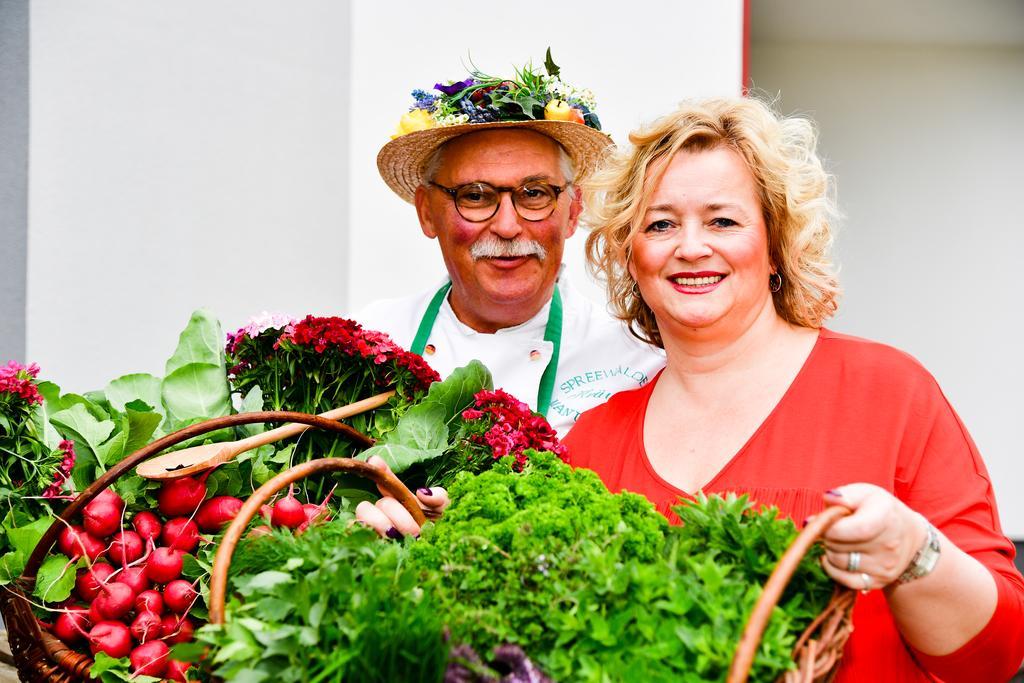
x=500 y=195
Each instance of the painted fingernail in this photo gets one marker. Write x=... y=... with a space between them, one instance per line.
x=394 y=534
x=806 y=519
x=834 y=492
x=425 y=492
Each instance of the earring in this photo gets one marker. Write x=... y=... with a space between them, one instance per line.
x=775 y=282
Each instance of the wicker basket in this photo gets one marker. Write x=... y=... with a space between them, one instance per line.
x=38 y=655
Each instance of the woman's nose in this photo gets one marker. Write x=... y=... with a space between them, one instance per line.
x=692 y=244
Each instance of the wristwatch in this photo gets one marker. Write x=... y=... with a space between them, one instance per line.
x=925 y=559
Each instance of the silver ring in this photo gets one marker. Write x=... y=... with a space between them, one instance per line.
x=866 y=580
x=853 y=564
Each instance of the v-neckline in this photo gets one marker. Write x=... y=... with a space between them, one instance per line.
x=708 y=485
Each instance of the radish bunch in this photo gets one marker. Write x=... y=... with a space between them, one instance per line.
x=134 y=601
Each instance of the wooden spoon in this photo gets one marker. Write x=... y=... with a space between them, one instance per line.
x=199 y=458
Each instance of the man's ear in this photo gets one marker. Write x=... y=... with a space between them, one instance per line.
x=423 y=212
x=575 y=209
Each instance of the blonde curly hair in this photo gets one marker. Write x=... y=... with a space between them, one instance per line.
x=795 y=192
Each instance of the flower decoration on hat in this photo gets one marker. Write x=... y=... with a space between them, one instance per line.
x=528 y=96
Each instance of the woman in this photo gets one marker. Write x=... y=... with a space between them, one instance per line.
x=713 y=234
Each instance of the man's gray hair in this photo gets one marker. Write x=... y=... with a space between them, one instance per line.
x=434 y=161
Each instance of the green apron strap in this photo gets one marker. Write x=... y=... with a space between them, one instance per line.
x=553 y=334
x=419 y=342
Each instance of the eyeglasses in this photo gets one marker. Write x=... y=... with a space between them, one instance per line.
x=478 y=202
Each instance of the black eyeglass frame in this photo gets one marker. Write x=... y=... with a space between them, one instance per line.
x=453 y=191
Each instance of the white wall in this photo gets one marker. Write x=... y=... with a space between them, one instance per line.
x=640 y=58
x=926 y=143
x=182 y=154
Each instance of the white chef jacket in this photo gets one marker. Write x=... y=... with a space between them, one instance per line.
x=598 y=356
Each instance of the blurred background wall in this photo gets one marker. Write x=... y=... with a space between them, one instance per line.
x=920 y=105
x=223 y=154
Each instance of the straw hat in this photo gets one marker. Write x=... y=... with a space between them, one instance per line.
x=530 y=101
x=401 y=162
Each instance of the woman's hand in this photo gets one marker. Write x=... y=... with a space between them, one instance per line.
x=390 y=519
x=872 y=546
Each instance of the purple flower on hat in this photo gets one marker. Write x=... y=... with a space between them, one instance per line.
x=454 y=88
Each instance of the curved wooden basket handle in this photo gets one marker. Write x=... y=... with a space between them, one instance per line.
x=222 y=561
x=743 y=659
x=35 y=560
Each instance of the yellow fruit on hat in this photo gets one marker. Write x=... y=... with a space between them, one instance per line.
x=557 y=110
x=417 y=119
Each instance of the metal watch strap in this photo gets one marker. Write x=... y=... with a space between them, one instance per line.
x=925 y=559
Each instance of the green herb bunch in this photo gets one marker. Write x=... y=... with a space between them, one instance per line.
x=337 y=604
x=597 y=587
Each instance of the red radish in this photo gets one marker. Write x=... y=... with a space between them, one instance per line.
x=111 y=637
x=89 y=580
x=180 y=497
x=175 y=629
x=266 y=511
x=288 y=511
x=147 y=525
x=71 y=626
x=150 y=601
x=75 y=541
x=179 y=595
x=176 y=671
x=101 y=518
x=108 y=496
x=164 y=565
x=182 y=534
x=146 y=626
x=134 y=577
x=150 y=659
x=215 y=513
x=95 y=616
x=115 y=600
x=125 y=548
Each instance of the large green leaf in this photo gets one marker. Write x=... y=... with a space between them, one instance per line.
x=253 y=403
x=196 y=390
x=202 y=341
x=56 y=578
x=141 y=426
x=51 y=404
x=25 y=538
x=423 y=427
x=400 y=458
x=80 y=425
x=113 y=449
x=138 y=386
x=456 y=392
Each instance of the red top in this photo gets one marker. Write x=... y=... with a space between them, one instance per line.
x=857 y=411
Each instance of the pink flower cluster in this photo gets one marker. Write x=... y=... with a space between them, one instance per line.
x=17 y=380
x=351 y=339
x=256 y=326
x=63 y=471
x=513 y=427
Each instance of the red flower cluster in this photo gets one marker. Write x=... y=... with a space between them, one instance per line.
x=17 y=379
x=63 y=471
x=351 y=339
x=512 y=427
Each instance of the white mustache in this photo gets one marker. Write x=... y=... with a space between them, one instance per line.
x=500 y=248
